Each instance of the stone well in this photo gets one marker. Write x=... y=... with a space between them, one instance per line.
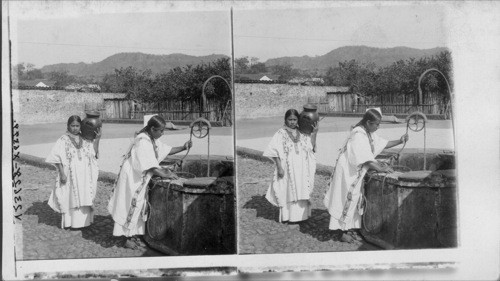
x=194 y=215
x=413 y=209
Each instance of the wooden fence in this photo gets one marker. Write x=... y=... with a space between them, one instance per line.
x=215 y=110
x=333 y=102
x=433 y=103
x=116 y=109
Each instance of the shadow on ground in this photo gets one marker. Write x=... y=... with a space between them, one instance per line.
x=316 y=226
x=100 y=231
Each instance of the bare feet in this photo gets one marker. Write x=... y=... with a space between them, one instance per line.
x=139 y=241
x=355 y=235
x=129 y=243
x=347 y=238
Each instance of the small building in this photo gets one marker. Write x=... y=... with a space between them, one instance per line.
x=74 y=87
x=93 y=87
x=306 y=81
x=262 y=77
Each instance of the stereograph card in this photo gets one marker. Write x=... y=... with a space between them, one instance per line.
x=312 y=140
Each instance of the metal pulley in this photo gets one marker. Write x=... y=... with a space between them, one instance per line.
x=200 y=128
x=417 y=122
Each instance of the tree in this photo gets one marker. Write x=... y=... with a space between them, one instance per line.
x=20 y=68
x=34 y=73
x=259 y=67
x=285 y=72
x=62 y=78
x=241 y=64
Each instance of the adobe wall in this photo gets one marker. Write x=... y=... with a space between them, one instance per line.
x=268 y=100
x=39 y=106
x=251 y=101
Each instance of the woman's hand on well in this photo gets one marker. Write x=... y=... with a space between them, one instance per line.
x=172 y=176
x=386 y=169
x=169 y=174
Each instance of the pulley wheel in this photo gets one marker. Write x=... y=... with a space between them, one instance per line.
x=416 y=121
x=200 y=128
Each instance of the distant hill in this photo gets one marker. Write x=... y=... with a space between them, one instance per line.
x=381 y=57
x=157 y=63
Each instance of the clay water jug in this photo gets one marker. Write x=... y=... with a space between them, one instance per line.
x=90 y=125
x=307 y=118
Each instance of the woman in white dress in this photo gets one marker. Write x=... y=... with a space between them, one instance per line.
x=293 y=180
x=128 y=204
x=75 y=159
x=343 y=198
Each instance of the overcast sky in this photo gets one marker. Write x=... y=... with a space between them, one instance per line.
x=297 y=32
x=85 y=34
x=92 y=38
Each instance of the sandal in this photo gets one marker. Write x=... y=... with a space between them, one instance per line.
x=139 y=241
x=130 y=244
x=347 y=238
x=355 y=234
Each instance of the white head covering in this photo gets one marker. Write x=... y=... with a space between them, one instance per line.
x=146 y=119
x=377 y=109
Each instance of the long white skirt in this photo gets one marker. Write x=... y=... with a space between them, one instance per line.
x=296 y=211
x=119 y=230
x=355 y=223
x=77 y=218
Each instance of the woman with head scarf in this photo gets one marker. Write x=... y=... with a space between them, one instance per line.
x=128 y=204
x=344 y=196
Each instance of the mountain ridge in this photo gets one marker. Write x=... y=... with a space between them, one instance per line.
x=163 y=63
x=363 y=54
x=140 y=61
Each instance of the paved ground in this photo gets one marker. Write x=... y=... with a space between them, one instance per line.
x=257 y=133
x=262 y=127
x=38 y=140
x=48 y=133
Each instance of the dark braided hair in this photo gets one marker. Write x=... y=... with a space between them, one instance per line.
x=371 y=115
x=154 y=122
x=291 y=112
x=73 y=118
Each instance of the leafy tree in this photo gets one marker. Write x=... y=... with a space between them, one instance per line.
x=19 y=69
x=34 y=73
x=241 y=64
x=254 y=60
x=181 y=84
x=62 y=78
x=399 y=79
x=259 y=67
x=22 y=71
x=285 y=72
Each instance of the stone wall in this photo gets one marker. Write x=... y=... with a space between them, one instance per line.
x=39 y=106
x=268 y=100
x=251 y=100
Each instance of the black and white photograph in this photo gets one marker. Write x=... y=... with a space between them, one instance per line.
x=228 y=140
x=344 y=133
x=125 y=133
